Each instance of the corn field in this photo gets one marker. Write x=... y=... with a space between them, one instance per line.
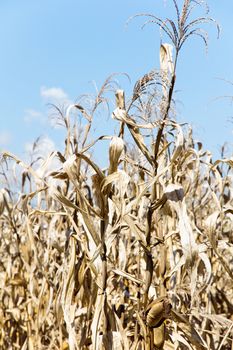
x=134 y=255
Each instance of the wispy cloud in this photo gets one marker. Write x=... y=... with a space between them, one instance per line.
x=54 y=94
x=58 y=97
x=32 y=115
x=40 y=154
x=5 y=138
x=42 y=146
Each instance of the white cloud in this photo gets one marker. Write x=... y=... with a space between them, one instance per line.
x=44 y=147
x=5 y=138
x=47 y=146
x=54 y=94
x=59 y=98
x=32 y=115
x=44 y=160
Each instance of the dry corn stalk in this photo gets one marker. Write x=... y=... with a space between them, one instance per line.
x=80 y=259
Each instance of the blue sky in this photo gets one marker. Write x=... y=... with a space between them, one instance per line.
x=53 y=50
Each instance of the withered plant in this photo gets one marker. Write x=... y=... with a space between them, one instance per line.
x=136 y=255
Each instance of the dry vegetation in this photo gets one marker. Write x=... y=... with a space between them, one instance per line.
x=134 y=256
